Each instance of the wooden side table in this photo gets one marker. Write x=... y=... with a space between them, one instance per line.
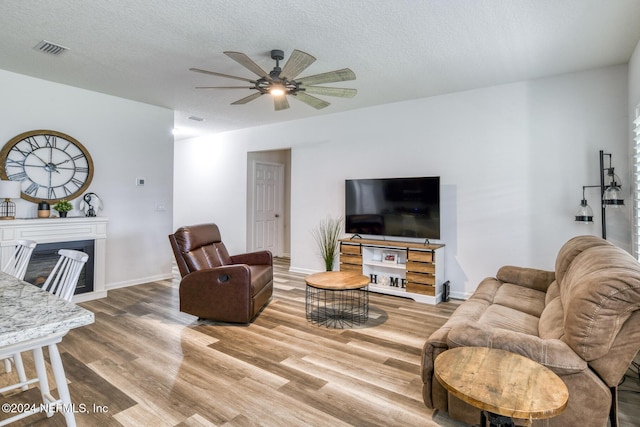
x=505 y=385
x=337 y=298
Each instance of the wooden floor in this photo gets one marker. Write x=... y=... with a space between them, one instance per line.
x=143 y=363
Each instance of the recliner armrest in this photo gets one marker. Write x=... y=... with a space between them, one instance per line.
x=228 y=275
x=221 y=292
x=552 y=353
x=253 y=258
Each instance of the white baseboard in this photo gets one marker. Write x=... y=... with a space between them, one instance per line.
x=460 y=295
x=89 y=296
x=302 y=270
x=139 y=281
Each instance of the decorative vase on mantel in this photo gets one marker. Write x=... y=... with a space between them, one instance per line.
x=44 y=210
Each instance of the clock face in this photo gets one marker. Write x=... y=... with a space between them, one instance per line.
x=50 y=165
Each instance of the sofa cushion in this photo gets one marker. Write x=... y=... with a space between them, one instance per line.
x=202 y=247
x=196 y=236
x=527 y=300
x=210 y=256
x=486 y=290
x=498 y=316
x=552 y=293
x=527 y=277
x=551 y=325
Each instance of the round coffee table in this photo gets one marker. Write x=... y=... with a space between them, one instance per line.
x=337 y=298
x=506 y=385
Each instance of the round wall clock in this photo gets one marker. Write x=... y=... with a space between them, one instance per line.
x=50 y=165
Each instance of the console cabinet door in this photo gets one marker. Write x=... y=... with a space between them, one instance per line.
x=421 y=272
x=350 y=257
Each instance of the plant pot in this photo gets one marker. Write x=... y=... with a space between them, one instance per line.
x=63 y=214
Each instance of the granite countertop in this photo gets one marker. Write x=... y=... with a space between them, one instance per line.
x=27 y=312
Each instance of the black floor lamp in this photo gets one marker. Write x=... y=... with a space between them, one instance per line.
x=610 y=195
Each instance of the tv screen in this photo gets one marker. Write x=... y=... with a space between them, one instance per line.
x=397 y=207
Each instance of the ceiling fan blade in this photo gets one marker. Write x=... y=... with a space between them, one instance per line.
x=213 y=73
x=225 y=87
x=247 y=99
x=330 y=77
x=331 y=91
x=297 y=63
x=280 y=102
x=247 y=62
x=316 y=103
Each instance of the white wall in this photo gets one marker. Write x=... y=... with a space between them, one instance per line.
x=512 y=160
x=126 y=140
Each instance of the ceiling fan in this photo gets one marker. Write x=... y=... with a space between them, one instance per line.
x=281 y=82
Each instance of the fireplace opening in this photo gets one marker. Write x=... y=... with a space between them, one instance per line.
x=45 y=256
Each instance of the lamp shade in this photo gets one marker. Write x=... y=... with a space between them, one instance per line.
x=612 y=196
x=584 y=213
x=9 y=189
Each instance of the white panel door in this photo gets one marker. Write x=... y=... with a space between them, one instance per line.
x=267 y=205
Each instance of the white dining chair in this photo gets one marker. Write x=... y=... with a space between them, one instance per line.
x=17 y=267
x=61 y=282
x=63 y=279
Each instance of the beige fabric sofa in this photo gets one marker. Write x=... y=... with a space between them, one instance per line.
x=581 y=321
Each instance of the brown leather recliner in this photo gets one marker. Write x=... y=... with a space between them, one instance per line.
x=217 y=286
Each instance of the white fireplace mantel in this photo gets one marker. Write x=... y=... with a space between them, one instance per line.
x=53 y=230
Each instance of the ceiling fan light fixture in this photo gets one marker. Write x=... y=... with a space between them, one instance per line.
x=277 y=90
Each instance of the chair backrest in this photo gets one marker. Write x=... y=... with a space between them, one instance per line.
x=598 y=303
x=17 y=265
x=63 y=279
x=198 y=247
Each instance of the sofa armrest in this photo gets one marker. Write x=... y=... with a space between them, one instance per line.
x=526 y=277
x=552 y=353
x=253 y=258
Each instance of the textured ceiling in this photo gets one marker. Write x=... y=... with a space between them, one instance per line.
x=403 y=49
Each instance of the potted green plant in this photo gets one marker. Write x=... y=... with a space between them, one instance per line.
x=326 y=234
x=63 y=206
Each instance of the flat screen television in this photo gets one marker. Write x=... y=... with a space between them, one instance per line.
x=395 y=207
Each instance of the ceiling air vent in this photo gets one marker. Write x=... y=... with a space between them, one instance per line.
x=50 y=48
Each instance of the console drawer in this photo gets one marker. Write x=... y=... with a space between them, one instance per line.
x=349 y=249
x=421 y=289
x=351 y=259
x=351 y=267
x=422 y=256
x=421 y=267
x=420 y=278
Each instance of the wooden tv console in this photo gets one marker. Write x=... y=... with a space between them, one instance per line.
x=405 y=269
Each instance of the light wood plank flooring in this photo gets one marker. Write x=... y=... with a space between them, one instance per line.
x=143 y=363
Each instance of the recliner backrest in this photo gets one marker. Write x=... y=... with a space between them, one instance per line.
x=571 y=249
x=599 y=292
x=199 y=247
